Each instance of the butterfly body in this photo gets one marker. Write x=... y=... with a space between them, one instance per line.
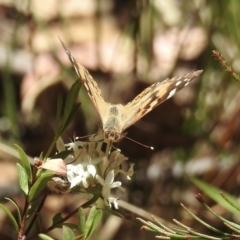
x=111 y=123
x=116 y=118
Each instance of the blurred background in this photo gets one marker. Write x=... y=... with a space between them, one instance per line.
x=126 y=46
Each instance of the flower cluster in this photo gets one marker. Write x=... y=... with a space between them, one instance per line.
x=88 y=166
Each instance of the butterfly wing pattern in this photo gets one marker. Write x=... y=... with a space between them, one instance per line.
x=115 y=118
x=156 y=94
x=91 y=86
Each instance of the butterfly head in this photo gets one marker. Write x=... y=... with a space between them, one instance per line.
x=112 y=136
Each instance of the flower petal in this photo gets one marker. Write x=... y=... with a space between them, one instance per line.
x=110 y=177
x=57 y=166
x=92 y=170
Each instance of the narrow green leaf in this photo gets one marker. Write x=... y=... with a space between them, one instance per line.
x=214 y=193
x=62 y=154
x=233 y=204
x=39 y=185
x=234 y=226
x=23 y=179
x=57 y=217
x=80 y=237
x=90 y=218
x=93 y=220
x=42 y=155
x=74 y=227
x=44 y=237
x=81 y=221
x=34 y=205
x=17 y=208
x=11 y=218
x=59 y=110
x=71 y=99
x=70 y=116
x=25 y=162
x=203 y=222
x=96 y=220
x=67 y=233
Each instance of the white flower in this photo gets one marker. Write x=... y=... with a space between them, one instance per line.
x=92 y=170
x=118 y=159
x=129 y=173
x=60 y=145
x=88 y=161
x=113 y=201
x=75 y=146
x=108 y=184
x=76 y=175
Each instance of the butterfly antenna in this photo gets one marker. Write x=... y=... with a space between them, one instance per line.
x=84 y=136
x=141 y=144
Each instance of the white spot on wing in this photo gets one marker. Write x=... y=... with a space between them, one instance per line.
x=178 y=83
x=171 y=93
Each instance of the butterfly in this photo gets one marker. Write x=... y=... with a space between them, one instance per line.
x=116 y=118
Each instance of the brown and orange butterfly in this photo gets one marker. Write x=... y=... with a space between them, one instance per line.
x=116 y=118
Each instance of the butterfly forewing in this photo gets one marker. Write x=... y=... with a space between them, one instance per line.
x=154 y=95
x=91 y=86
